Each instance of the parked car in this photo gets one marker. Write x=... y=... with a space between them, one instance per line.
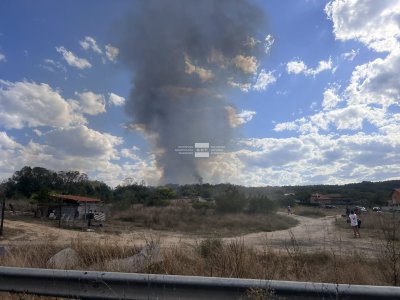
x=329 y=206
x=361 y=208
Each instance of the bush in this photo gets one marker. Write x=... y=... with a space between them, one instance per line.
x=261 y=205
x=210 y=247
x=201 y=205
x=232 y=201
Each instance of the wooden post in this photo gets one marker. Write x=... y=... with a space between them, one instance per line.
x=2 y=214
x=59 y=220
x=85 y=214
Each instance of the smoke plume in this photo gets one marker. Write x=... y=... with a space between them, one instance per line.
x=183 y=54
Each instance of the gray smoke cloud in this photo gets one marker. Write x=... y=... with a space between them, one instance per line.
x=183 y=54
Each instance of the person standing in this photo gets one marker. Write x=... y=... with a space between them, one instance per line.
x=289 y=210
x=354 y=223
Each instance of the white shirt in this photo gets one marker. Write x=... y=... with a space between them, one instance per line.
x=353 y=220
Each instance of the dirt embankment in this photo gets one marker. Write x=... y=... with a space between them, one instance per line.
x=311 y=234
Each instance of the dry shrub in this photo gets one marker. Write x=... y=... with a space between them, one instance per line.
x=8 y=296
x=235 y=259
x=210 y=247
x=37 y=255
x=181 y=216
x=97 y=253
x=214 y=257
x=29 y=256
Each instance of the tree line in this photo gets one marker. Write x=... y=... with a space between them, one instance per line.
x=36 y=183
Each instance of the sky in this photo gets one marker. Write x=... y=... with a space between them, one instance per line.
x=320 y=104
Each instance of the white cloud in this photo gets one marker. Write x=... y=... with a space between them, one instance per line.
x=81 y=141
x=245 y=116
x=268 y=152
x=31 y=104
x=309 y=159
x=350 y=55
x=9 y=150
x=268 y=42
x=7 y=143
x=331 y=146
x=115 y=99
x=72 y=59
x=74 y=148
x=91 y=103
x=52 y=66
x=247 y=64
x=352 y=117
x=331 y=99
x=78 y=148
x=131 y=153
x=244 y=87
x=90 y=43
x=2 y=57
x=374 y=23
x=112 y=52
x=298 y=66
x=237 y=119
x=264 y=79
x=37 y=132
x=376 y=82
x=286 y=126
x=190 y=68
x=140 y=169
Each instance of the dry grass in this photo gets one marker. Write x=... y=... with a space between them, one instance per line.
x=312 y=212
x=373 y=224
x=183 y=218
x=213 y=257
x=37 y=255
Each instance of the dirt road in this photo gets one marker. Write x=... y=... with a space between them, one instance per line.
x=313 y=234
x=310 y=234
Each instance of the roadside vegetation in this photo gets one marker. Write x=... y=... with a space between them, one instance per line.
x=210 y=213
x=213 y=257
x=182 y=217
x=311 y=212
x=35 y=184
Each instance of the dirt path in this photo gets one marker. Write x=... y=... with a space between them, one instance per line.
x=310 y=234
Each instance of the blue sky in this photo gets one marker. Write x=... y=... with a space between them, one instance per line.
x=322 y=104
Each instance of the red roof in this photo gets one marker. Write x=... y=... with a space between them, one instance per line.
x=77 y=198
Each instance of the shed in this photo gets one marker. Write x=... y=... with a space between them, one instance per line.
x=322 y=199
x=72 y=208
x=395 y=197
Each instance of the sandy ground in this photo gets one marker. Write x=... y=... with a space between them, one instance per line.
x=311 y=234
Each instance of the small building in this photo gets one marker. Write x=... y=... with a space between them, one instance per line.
x=324 y=199
x=395 y=197
x=72 y=209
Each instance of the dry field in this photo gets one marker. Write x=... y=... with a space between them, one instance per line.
x=320 y=249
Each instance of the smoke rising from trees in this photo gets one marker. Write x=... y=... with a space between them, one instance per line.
x=183 y=56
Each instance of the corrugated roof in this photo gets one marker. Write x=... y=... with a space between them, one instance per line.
x=77 y=198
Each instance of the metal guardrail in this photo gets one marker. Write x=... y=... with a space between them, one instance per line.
x=109 y=285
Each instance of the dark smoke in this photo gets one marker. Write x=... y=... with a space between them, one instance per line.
x=163 y=43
